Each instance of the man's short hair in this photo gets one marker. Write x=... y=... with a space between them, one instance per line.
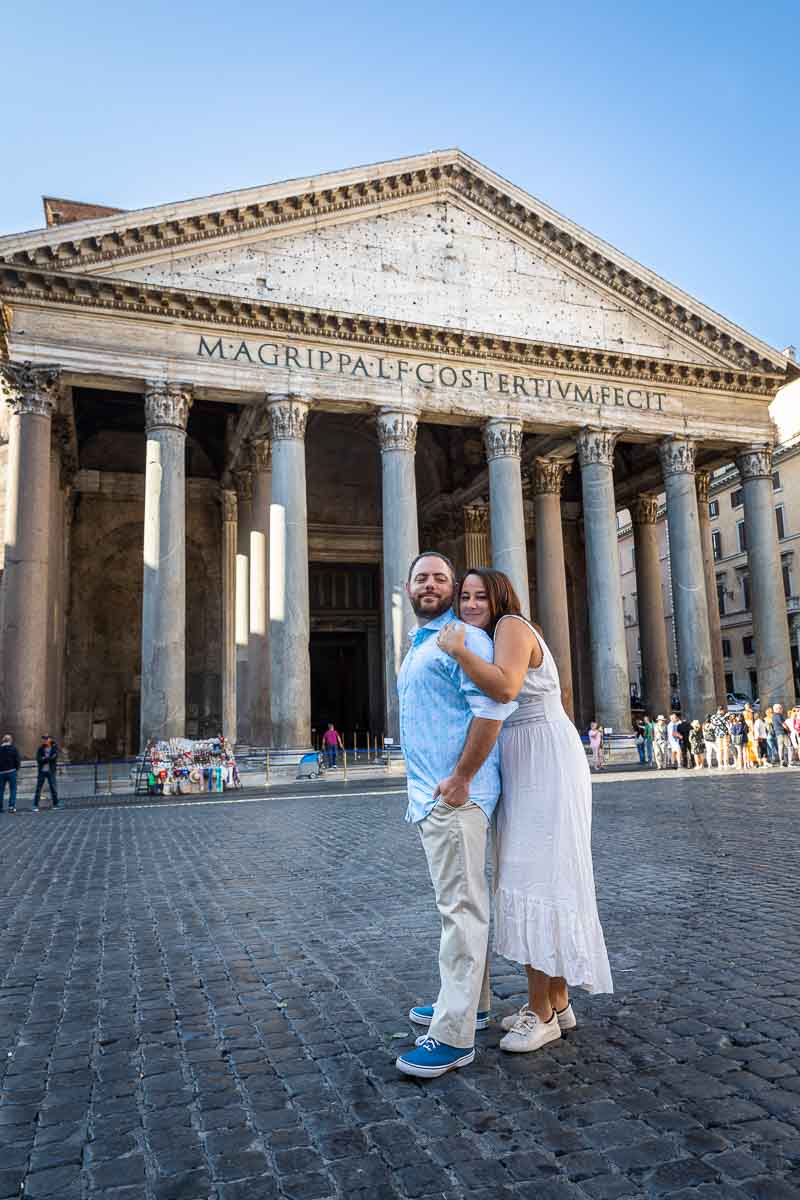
x=431 y=554
x=7 y=739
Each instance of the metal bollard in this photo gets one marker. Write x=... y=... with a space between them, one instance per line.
x=110 y=778
x=267 y=766
x=344 y=759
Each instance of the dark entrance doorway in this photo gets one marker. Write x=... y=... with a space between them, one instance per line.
x=340 y=684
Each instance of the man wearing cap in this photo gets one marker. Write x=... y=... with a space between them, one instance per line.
x=46 y=761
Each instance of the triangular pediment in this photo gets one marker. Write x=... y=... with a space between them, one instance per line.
x=436 y=263
x=435 y=238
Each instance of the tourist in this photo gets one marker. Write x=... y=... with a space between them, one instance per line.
x=596 y=745
x=674 y=739
x=760 y=732
x=719 y=723
x=781 y=735
x=46 y=764
x=793 y=722
x=738 y=739
x=772 y=743
x=709 y=740
x=330 y=740
x=647 y=725
x=640 y=740
x=449 y=731
x=545 y=914
x=684 y=729
x=751 y=743
x=697 y=744
x=660 y=741
x=9 y=765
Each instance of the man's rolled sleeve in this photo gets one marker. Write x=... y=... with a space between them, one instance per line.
x=480 y=704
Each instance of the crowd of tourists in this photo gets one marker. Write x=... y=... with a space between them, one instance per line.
x=724 y=740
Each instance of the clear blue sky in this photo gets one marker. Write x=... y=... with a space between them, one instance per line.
x=670 y=130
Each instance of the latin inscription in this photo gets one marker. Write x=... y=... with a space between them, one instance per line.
x=427 y=374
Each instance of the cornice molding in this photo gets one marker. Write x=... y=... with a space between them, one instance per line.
x=181 y=305
x=133 y=235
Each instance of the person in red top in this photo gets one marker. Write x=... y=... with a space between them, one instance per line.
x=330 y=740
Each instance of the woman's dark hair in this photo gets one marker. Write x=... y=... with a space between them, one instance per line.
x=499 y=591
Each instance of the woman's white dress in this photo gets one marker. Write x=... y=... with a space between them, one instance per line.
x=545 y=903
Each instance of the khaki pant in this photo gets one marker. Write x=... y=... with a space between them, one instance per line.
x=454 y=840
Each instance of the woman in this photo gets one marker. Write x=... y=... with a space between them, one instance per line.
x=696 y=744
x=738 y=740
x=596 y=745
x=760 y=731
x=545 y=906
x=772 y=744
x=640 y=739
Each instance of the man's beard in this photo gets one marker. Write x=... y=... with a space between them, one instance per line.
x=431 y=611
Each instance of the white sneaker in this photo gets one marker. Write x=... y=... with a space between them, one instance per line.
x=566 y=1018
x=530 y=1033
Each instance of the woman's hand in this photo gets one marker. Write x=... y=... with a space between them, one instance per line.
x=452 y=637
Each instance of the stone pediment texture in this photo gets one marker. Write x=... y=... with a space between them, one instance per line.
x=436 y=263
x=150 y=234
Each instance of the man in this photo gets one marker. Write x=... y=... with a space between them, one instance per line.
x=46 y=762
x=674 y=741
x=660 y=741
x=647 y=727
x=448 y=732
x=684 y=729
x=330 y=740
x=9 y=765
x=781 y=735
x=719 y=724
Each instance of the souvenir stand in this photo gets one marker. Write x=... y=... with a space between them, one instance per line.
x=181 y=767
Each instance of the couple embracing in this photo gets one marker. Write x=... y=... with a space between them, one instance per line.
x=477 y=667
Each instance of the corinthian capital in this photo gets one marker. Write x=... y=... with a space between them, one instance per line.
x=262 y=454
x=702 y=481
x=288 y=417
x=244 y=485
x=755 y=462
x=677 y=456
x=596 y=446
x=166 y=405
x=502 y=438
x=548 y=475
x=397 y=430
x=230 y=506
x=29 y=390
x=476 y=517
x=644 y=510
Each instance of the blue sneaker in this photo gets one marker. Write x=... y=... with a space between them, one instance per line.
x=433 y=1058
x=422 y=1014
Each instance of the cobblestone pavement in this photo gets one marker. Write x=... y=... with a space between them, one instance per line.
x=205 y=1001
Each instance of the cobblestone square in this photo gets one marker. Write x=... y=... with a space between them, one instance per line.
x=205 y=1000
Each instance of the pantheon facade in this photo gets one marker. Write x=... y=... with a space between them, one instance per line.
x=231 y=422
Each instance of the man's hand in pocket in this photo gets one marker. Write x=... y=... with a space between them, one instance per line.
x=454 y=790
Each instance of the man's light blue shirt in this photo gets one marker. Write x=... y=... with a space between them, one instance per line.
x=437 y=703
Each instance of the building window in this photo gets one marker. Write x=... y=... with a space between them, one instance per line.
x=713 y=508
x=746 y=592
x=721 y=596
x=716 y=544
x=780 y=521
x=776 y=481
x=787 y=579
x=742 y=535
x=747 y=646
x=726 y=647
x=737 y=498
x=729 y=681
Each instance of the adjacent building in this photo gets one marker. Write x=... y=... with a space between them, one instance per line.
x=231 y=422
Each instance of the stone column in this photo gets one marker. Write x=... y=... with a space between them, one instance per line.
x=229 y=520
x=258 y=655
x=770 y=626
x=690 y=606
x=163 y=699
x=703 y=481
x=650 y=604
x=397 y=434
x=476 y=535
x=612 y=693
x=244 y=498
x=289 y=624
x=552 y=612
x=502 y=438
x=32 y=394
